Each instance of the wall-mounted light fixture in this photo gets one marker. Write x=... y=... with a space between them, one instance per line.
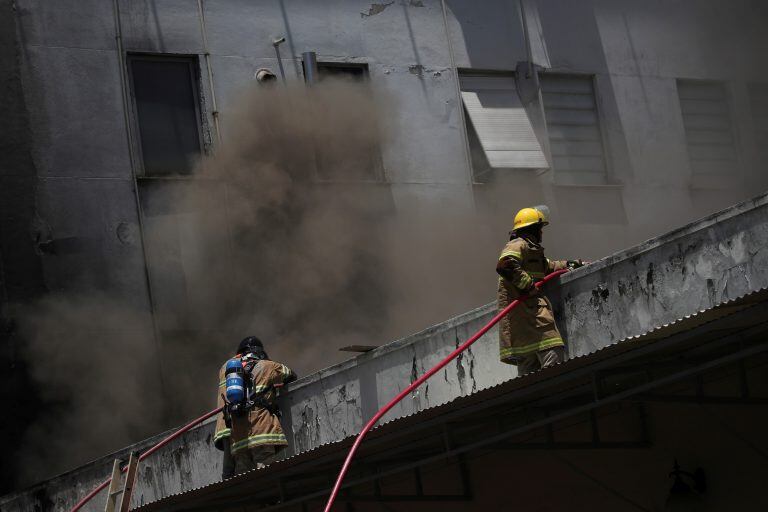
x=687 y=489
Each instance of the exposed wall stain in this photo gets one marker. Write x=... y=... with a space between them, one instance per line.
x=304 y=433
x=416 y=3
x=649 y=276
x=414 y=370
x=43 y=502
x=461 y=374
x=416 y=69
x=472 y=371
x=375 y=9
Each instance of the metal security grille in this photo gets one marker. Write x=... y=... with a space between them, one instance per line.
x=501 y=123
x=576 y=142
x=708 y=127
x=758 y=99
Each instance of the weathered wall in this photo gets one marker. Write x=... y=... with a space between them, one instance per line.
x=636 y=52
x=694 y=268
x=21 y=272
x=706 y=263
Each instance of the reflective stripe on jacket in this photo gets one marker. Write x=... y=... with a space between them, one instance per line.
x=530 y=327
x=258 y=426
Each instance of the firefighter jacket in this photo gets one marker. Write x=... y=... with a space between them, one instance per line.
x=530 y=327
x=258 y=426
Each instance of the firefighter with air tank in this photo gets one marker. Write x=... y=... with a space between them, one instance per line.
x=248 y=430
x=528 y=336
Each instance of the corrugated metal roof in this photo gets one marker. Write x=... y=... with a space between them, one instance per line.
x=683 y=324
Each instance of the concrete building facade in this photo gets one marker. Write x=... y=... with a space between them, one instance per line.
x=671 y=97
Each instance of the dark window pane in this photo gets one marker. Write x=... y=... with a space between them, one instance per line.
x=356 y=157
x=354 y=73
x=167 y=118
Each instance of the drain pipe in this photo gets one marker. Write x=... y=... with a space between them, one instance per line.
x=151 y=299
x=207 y=54
x=310 y=67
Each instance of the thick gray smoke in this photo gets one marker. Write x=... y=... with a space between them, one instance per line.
x=275 y=244
x=269 y=239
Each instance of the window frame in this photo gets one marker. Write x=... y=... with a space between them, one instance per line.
x=511 y=172
x=721 y=179
x=607 y=175
x=193 y=65
x=341 y=65
x=379 y=175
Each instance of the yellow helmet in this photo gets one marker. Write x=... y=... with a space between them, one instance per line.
x=531 y=216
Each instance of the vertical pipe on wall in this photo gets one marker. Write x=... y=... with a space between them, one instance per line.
x=310 y=67
x=207 y=55
x=217 y=128
x=139 y=213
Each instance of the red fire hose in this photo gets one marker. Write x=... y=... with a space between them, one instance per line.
x=418 y=382
x=384 y=410
x=146 y=454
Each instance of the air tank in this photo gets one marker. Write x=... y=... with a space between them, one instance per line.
x=235 y=382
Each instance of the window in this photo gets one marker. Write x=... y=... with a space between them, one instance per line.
x=166 y=103
x=501 y=135
x=344 y=71
x=758 y=99
x=354 y=72
x=357 y=156
x=708 y=128
x=576 y=142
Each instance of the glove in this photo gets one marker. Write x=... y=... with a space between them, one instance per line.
x=572 y=264
x=532 y=291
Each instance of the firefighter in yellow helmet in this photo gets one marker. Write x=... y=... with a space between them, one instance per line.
x=528 y=336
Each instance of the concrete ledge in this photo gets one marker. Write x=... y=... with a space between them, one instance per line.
x=698 y=266
x=693 y=268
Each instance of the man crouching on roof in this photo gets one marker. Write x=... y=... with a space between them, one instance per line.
x=248 y=430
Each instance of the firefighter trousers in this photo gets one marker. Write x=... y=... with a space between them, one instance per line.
x=541 y=359
x=254 y=458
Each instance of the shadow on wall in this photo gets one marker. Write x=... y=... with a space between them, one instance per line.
x=25 y=282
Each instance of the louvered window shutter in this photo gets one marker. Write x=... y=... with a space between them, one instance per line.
x=501 y=123
x=708 y=128
x=576 y=142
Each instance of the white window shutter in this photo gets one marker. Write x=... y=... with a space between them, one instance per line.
x=501 y=123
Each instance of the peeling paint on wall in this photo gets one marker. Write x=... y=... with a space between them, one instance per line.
x=375 y=9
